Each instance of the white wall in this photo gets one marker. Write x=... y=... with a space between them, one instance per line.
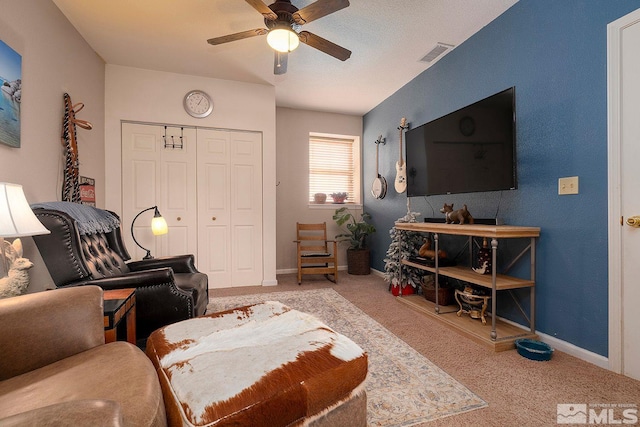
x=55 y=60
x=293 y=127
x=133 y=94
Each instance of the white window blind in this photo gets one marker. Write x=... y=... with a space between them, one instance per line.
x=332 y=167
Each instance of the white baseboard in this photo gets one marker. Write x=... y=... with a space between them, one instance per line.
x=567 y=347
x=295 y=270
x=377 y=272
x=269 y=283
x=574 y=350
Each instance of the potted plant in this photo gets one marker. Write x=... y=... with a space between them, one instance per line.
x=358 y=255
x=339 y=197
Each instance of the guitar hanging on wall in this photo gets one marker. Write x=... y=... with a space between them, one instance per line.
x=400 y=183
x=379 y=186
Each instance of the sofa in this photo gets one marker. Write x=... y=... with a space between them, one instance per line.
x=85 y=247
x=55 y=368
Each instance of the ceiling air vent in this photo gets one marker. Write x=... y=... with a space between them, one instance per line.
x=437 y=52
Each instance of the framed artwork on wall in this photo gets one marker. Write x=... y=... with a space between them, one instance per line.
x=10 y=95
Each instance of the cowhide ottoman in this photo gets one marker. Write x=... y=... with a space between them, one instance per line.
x=259 y=365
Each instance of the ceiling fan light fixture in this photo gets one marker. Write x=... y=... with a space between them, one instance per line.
x=283 y=39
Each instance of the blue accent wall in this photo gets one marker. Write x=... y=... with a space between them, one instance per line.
x=555 y=54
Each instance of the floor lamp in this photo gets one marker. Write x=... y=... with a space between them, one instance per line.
x=158 y=228
x=16 y=219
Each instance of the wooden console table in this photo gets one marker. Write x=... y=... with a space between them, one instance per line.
x=502 y=335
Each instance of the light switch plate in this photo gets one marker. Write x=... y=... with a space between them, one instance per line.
x=568 y=185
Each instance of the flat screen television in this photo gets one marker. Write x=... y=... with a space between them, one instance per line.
x=469 y=150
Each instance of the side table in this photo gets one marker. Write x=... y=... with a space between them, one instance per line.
x=120 y=314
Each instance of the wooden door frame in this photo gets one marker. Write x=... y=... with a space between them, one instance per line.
x=614 y=37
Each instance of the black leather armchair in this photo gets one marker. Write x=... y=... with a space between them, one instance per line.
x=168 y=289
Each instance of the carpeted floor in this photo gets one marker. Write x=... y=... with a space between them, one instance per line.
x=519 y=392
x=403 y=387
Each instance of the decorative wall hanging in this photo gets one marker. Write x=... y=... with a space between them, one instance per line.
x=71 y=184
x=11 y=95
x=87 y=191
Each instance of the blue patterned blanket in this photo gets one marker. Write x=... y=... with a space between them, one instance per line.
x=90 y=220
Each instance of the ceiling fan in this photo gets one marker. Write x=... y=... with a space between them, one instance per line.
x=284 y=21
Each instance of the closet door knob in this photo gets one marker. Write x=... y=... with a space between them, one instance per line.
x=213 y=218
x=179 y=218
x=634 y=221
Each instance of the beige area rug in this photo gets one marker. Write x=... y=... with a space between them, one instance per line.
x=403 y=387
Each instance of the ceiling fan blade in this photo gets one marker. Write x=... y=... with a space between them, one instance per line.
x=238 y=36
x=318 y=9
x=280 y=61
x=263 y=9
x=324 y=45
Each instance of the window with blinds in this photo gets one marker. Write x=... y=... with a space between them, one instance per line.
x=334 y=166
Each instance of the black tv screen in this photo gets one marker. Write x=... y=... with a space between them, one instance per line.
x=469 y=150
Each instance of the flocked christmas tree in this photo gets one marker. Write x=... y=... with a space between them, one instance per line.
x=404 y=243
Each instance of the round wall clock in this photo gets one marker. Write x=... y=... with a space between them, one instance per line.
x=198 y=104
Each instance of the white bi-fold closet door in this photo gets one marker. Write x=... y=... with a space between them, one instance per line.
x=207 y=184
x=229 y=176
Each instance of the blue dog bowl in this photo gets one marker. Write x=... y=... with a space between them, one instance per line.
x=534 y=350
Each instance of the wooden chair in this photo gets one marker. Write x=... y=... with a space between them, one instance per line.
x=313 y=252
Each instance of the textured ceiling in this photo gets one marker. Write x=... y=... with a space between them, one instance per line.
x=387 y=38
